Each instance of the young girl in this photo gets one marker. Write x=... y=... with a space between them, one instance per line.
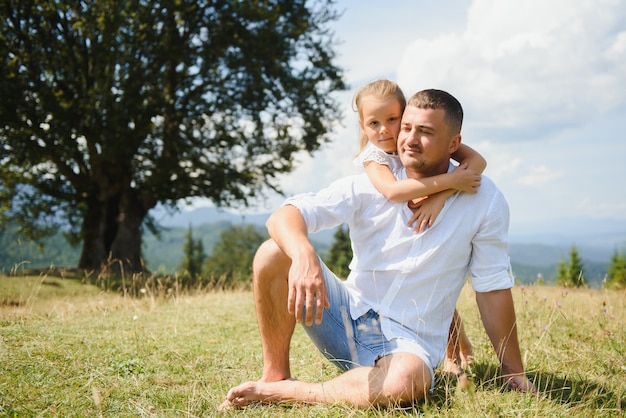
x=380 y=105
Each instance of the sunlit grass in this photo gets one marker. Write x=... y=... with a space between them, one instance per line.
x=71 y=349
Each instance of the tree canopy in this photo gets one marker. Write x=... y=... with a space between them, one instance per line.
x=340 y=253
x=230 y=262
x=109 y=108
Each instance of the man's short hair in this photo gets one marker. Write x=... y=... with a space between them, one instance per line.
x=439 y=99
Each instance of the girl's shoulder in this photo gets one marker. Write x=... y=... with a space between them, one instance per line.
x=371 y=153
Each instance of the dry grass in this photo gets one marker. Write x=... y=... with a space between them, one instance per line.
x=69 y=349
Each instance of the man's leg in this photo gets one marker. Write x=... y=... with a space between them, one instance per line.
x=395 y=380
x=270 y=271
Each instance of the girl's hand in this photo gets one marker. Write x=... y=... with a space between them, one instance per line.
x=465 y=179
x=426 y=210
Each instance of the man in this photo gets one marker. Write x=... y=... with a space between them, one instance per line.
x=388 y=323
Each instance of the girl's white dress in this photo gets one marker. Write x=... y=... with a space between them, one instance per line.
x=377 y=155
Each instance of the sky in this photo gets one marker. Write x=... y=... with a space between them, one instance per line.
x=542 y=83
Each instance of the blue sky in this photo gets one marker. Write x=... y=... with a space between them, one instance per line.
x=542 y=82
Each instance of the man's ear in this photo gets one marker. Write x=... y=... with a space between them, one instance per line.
x=455 y=143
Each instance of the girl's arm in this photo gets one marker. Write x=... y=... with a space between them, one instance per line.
x=468 y=155
x=427 y=210
x=404 y=190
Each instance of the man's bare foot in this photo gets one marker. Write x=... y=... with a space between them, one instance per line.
x=246 y=394
x=256 y=392
x=240 y=396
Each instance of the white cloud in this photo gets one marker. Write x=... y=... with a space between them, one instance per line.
x=617 y=51
x=539 y=175
x=542 y=84
x=374 y=35
x=519 y=64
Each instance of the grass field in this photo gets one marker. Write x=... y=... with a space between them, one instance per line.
x=69 y=349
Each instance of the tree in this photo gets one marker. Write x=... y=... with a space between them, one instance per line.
x=110 y=108
x=193 y=256
x=572 y=272
x=340 y=253
x=616 y=276
x=231 y=259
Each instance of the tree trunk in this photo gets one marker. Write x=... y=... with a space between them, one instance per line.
x=94 y=252
x=112 y=235
x=126 y=247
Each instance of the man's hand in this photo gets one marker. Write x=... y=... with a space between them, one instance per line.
x=498 y=315
x=307 y=289
x=520 y=383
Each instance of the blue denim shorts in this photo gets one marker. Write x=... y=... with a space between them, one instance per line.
x=349 y=343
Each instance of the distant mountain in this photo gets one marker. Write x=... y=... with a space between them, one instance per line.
x=531 y=253
x=205 y=215
x=607 y=233
x=589 y=233
x=535 y=248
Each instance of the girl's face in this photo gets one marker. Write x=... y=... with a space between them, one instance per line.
x=380 y=121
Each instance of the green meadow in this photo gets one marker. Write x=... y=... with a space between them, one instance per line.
x=71 y=349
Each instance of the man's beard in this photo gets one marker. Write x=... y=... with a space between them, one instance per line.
x=425 y=168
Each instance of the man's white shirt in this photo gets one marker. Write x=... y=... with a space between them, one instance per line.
x=413 y=280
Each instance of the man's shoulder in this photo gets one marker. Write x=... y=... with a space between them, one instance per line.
x=489 y=184
x=488 y=192
x=351 y=187
x=359 y=181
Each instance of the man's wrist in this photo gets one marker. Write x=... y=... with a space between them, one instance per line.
x=515 y=370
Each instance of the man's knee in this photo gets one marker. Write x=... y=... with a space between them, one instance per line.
x=407 y=379
x=269 y=259
x=412 y=385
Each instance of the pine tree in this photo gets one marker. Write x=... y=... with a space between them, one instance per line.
x=572 y=273
x=616 y=277
x=562 y=273
x=199 y=256
x=340 y=253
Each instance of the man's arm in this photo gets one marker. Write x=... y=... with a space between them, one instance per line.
x=307 y=287
x=498 y=315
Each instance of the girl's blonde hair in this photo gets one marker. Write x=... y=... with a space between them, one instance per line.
x=382 y=90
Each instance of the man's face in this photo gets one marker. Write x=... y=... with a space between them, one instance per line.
x=424 y=142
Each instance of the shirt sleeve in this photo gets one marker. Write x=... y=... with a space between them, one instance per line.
x=490 y=265
x=327 y=208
